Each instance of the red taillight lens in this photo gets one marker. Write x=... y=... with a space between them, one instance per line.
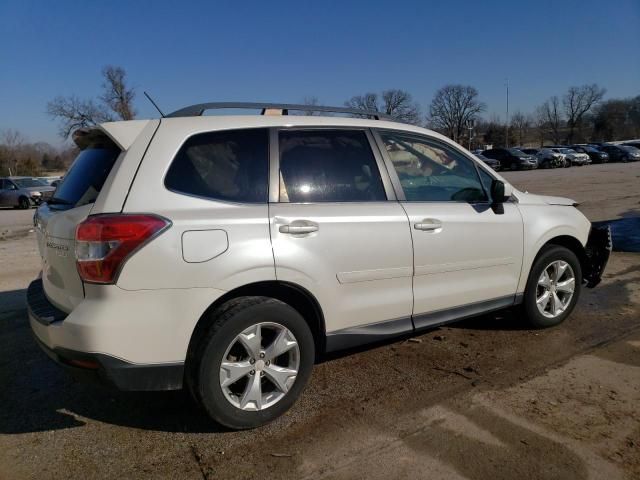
x=104 y=242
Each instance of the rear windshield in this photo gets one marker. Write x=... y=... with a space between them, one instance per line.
x=83 y=182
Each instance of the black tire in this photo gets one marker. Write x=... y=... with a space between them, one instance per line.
x=548 y=255
x=24 y=203
x=203 y=368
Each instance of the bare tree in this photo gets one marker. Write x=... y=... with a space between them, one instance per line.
x=453 y=107
x=75 y=113
x=312 y=101
x=116 y=102
x=116 y=95
x=520 y=123
x=399 y=104
x=578 y=101
x=368 y=101
x=550 y=117
x=396 y=103
x=12 y=142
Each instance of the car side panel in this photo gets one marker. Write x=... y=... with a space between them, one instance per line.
x=162 y=264
x=545 y=222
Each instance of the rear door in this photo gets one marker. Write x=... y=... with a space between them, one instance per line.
x=57 y=219
x=467 y=254
x=336 y=233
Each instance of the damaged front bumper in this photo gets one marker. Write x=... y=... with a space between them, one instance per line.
x=597 y=253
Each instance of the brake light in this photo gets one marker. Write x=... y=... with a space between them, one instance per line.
x=105 y=242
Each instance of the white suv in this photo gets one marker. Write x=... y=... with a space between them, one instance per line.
x=229 y=253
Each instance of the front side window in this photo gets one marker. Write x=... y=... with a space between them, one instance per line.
x=430 y=171
x=231 y=165
x=328 y=166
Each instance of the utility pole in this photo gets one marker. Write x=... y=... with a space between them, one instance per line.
x=507 y=124
x=470 y=127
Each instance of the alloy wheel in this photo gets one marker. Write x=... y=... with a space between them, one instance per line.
x=555 y=289
x=260 y=366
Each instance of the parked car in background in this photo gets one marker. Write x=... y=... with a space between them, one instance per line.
x=632 y=144
x=512 y=158
x=50 y=180
x=491 y=162
x=571 y=157
x=596 y=155
x=621 y=153
x=23 y=192
x=546 y=158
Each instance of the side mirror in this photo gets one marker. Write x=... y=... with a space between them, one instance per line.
x=498 y=192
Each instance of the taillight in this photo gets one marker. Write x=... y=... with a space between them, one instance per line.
x=105 y=242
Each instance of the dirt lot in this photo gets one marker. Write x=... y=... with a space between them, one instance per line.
x=482 y=399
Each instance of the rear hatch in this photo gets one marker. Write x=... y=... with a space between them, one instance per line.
x=56 y=220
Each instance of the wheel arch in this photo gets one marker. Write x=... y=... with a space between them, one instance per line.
x=292 y=294
x=567 y=241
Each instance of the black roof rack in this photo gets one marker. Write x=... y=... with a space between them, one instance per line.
x=199 y=108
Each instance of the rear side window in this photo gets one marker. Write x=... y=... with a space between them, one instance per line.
x=86 y=176
x=230 y=165
x=328 y=166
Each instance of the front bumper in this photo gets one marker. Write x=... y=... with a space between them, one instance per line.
x=597 y=251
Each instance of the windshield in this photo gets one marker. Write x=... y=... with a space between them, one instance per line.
x=516 y=152
x=29 y=182
x=628 y=148
x=567 y=150
x=84 y=180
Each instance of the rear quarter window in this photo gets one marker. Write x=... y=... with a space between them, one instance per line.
x=231 y=165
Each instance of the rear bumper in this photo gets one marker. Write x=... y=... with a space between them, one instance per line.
x=107 y=370
x=115 y=341
x=597 y=251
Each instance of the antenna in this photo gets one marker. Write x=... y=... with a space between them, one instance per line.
x=154 y=104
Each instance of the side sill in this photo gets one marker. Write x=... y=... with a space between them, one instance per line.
x=373 y=332
x=434 y=319
x=376 y=332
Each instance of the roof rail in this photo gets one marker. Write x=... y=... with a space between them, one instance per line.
x=199 y=108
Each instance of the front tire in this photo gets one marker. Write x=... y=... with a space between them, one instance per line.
x=253 y=362
x=553 y=287
x=24 y=203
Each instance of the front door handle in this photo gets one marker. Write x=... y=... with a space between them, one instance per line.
x=299 y=227
x=429 y=225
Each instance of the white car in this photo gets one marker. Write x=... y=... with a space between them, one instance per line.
x=229 y=253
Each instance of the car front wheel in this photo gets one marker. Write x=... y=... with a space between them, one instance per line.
x=253 y=363
x=553 y=287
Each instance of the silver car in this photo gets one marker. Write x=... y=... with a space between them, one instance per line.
x=23 y=192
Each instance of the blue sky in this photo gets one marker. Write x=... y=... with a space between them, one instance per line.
x=188 y=52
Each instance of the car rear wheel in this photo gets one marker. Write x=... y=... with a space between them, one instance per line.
x=253 y=363
x=553 y=287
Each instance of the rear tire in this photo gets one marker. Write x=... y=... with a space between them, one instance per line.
x=559 y=306
x=242 y=336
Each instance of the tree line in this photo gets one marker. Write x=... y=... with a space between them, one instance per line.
x=579 y=115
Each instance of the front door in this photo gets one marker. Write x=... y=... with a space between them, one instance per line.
x=335 y=232
x=467 y=253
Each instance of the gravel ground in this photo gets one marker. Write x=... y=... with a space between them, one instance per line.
x=484 y=398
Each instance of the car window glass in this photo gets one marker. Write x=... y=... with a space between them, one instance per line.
x=231 y=165
x=431 y=171
x=328 y=166
x=486 y=180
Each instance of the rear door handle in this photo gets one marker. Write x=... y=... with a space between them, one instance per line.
x=299 y=227
x=429 y=225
